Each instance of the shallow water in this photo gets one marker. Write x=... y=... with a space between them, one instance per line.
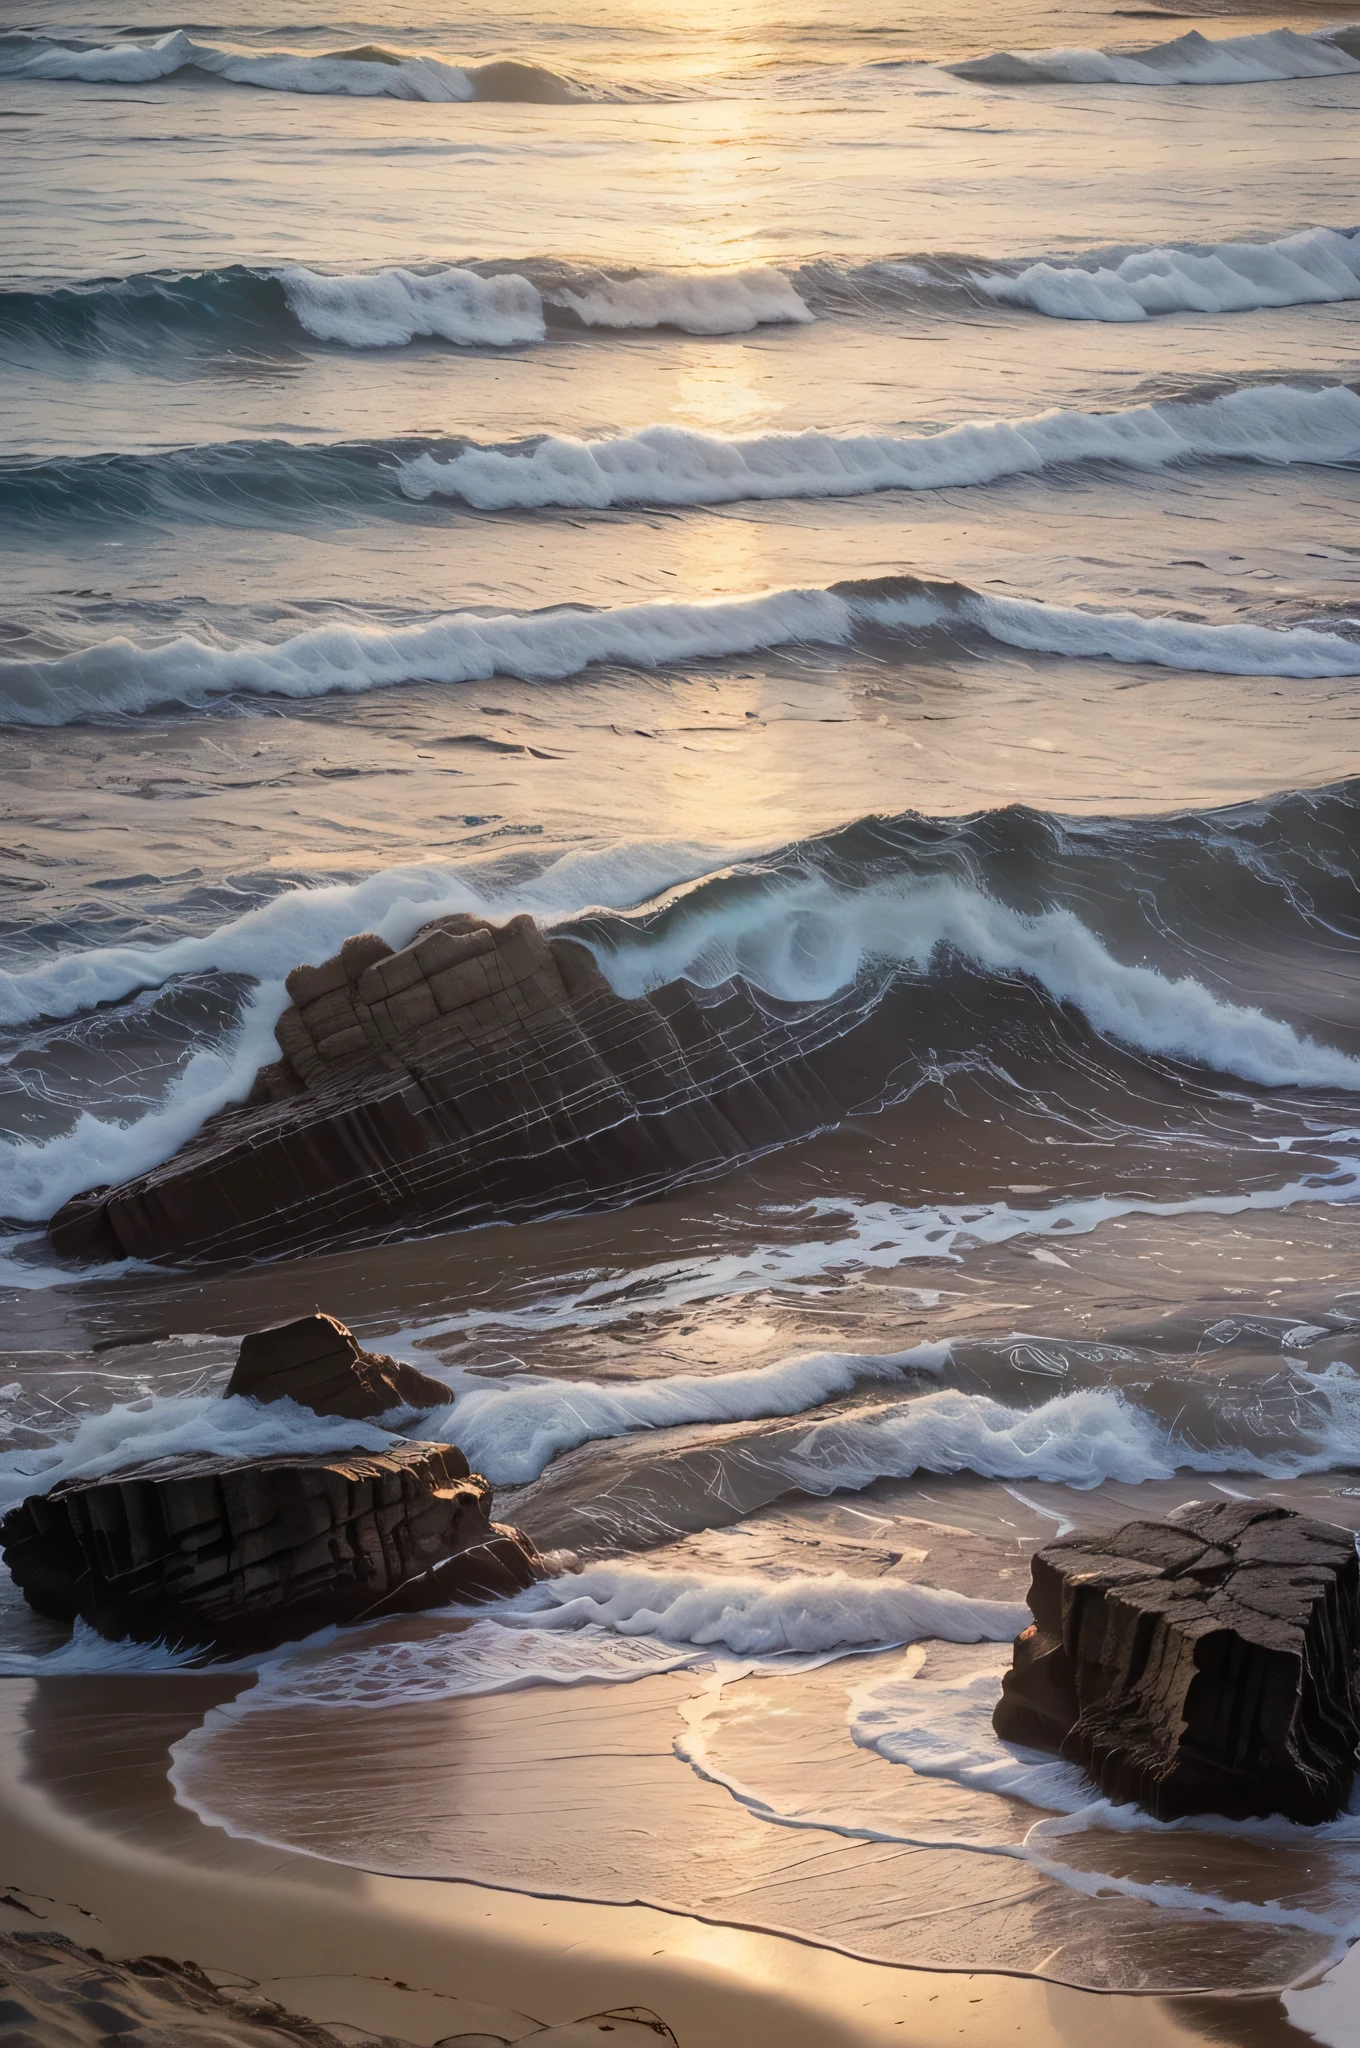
x=844 y=501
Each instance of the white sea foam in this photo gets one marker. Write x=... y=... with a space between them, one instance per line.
x=763 y=1617
x=89 y=1655
x=491 y=1656
x=511 y=1430
x=409 y=78
x=697 y=302
x=1319 y=266
x=664 y=465
x=1193 y=59
x=311 y=924
x=1079 y=1439
x=944 y=1729
x=162 y=1425
x=98 y=1151
x=117 y=676
x=388 y=308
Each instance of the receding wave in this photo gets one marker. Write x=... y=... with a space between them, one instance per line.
x=368 y=71
x=1192 y=59
x=117 y=676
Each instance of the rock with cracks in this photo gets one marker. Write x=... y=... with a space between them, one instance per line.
x=242 y=1553
x=1209 y=1664
x=482 y=1074
x=318 y=1363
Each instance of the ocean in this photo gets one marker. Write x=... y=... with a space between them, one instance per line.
x=849 y=498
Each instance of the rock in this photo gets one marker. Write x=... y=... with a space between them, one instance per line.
x=484 y=1074
x=1209 y=1664
x=317 y=1362
x=242 y=1553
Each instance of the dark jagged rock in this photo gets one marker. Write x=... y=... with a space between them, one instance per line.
x=1205 y=1665
x=242 y=1553
x=481 y=1074
x=317 y=1362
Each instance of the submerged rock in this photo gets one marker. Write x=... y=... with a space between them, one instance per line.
x=242 y=1553
x=1205 y=1665
x=483 y=1074
x=318 y=1363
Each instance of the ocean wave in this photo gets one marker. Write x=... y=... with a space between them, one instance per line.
x=118 y=677
x=367 y=72
x=503 y=306
x=663 y=465
x=392 y=307
x=763 y=1617
x=143 y=314
x=253 y=482
x=943 y=922
x=1320 y=266
x=512 y=1431
x=1080 y=1439
x=1192 y=59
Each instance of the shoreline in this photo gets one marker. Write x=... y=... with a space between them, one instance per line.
x=424 y=1960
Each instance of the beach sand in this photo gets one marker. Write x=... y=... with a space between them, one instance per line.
x=96 y=1848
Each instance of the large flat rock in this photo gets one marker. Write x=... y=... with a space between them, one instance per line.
x=241 y=1553
x=481 y=1074
x=1205 y=1665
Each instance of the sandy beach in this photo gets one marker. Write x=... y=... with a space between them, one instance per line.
x=98 y=1851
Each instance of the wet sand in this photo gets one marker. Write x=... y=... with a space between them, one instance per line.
x=96 y=1848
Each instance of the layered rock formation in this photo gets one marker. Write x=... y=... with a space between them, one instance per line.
x=318 y=1363
x=241 y=1553
x=1205 y=1665
x=483 y=1074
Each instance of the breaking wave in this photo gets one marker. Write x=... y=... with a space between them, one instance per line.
x=1320 y=266
x=681 y=466
x=367 y=72
x=1192 y=59
x=504 y=306
x=457 y=303
x=118 y=677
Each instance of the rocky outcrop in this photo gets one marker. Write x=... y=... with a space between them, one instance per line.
x=1210 y=1664
x=318 y=1363
x=241 y=1553
x=479 y=1074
